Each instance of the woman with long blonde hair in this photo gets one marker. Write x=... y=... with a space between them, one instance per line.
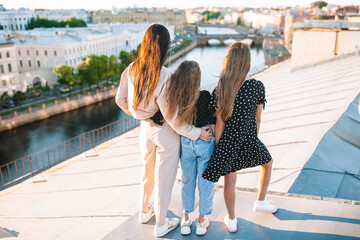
x=193 y=107
x=239 y=105
x=142 y=92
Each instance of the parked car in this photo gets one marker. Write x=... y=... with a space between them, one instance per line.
x=10 y=104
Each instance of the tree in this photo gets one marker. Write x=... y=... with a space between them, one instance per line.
x=113 y=68
x=31 y=24
x=319 y=4
x=83 y=77
x=5 y=97
x=46 y=23
x=125 y=58
x=89 y=71
x=46 y=89
x=19 y=96
x=65 y=75
x=238 y=21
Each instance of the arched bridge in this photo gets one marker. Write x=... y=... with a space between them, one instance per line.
x=203 y=40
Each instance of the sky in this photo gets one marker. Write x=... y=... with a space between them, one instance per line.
x=109 y=4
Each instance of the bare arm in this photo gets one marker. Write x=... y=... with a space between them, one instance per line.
x=219 y=128
x=258 y=116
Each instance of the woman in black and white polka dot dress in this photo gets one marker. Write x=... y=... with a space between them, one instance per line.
x=239 y=104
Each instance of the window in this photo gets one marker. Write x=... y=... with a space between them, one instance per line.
x=19 y=52
x=0 y=55
x=20 y=63
x=45 y=53
x=9 y=67
x=4 y=83
x=66 y=62
x=37 y=53
x=38 y=63
x=12 y=81
x=29 y=63
x=7 y=54
x=2 y=68
x=28 y=52
x=55 y=53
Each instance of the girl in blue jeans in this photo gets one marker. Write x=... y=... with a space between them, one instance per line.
x=194 y=107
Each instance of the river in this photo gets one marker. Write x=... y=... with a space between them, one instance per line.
x=46 y=133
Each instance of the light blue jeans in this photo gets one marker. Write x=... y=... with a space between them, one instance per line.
x=195 y=156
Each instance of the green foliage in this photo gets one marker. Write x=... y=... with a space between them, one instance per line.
x=4 y=97
x=1 y=27
x=238 y=21
x=31 y=24
x=19 y=96
x=125 y=58
x=65 y=75
x=84 y=74
x=46 y=23
x=319 y=4
x=208 y=15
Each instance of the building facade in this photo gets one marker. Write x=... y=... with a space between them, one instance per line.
x=33 y=54
x=266 y=21
x=13 y=20
x=9 y=75
x=164 y=16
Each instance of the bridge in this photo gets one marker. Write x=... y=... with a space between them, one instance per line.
x=203 y=40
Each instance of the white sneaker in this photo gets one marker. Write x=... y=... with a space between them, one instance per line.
x=201 y=228
x=231 y=224
x=264 y=206
x=169 y=225
x=186 y=226
x=145 y=217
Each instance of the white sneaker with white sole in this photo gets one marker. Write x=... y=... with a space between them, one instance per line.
x=264 y=207
x=169 y=225
x=186 y=226
x=201 y=228
x=231 y=224
x=145 y=217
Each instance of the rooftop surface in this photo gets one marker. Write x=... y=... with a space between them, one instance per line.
x=65 y=36
x=95 y=195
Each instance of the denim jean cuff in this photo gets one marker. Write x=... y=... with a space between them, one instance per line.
x=206 y=213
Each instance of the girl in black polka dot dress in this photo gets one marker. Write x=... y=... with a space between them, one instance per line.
x=239 y=104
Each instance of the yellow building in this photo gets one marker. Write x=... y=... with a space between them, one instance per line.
x=165 y=16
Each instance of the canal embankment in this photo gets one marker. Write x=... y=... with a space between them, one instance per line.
x=57 y=107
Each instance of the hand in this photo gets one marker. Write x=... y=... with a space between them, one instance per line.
x=205 y=134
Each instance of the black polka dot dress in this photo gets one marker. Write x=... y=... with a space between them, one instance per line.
x=239 y=147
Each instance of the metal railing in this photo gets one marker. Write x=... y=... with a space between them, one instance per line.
x=34 y=163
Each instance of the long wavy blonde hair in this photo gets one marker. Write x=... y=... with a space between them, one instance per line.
x=147 y=66
x=235 y=68
x=183 y=92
